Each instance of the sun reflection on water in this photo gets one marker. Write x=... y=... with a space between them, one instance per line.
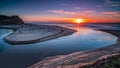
x=77 y=27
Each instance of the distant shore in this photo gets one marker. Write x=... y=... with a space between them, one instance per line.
x=31 y=33
x=82 y=58
x=114 y=32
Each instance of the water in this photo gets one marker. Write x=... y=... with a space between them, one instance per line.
x=22 y=56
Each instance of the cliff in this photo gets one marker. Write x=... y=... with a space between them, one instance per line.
x=6 y=20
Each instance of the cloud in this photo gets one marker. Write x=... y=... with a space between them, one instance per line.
x=110 y=13
x=108 y=1
x=78 y=8
x=85 y=14
x=61 y=12
x=112 y=3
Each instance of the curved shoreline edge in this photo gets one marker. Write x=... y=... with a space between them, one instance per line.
x=57 y=32
x=82 y=58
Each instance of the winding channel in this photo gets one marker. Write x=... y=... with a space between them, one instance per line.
x=23 y=56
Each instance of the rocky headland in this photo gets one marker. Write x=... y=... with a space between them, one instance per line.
x=10 y=20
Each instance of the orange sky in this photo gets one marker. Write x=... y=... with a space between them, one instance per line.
x=87 y=18
x=94 y=11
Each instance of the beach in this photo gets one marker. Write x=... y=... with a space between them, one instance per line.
x=31 y=33
x=81 y=58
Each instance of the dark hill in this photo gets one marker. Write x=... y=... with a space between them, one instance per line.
x=10 y=20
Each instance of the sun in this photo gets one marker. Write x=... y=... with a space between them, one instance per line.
x=79 y=21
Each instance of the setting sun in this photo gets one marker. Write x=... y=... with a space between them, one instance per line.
x=79 y=20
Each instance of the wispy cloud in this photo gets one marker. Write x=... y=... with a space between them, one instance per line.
x=112 y=3
x=110 y=13
x=61 y=12
x=78 y=8
x=87 y=12
x=113 y=16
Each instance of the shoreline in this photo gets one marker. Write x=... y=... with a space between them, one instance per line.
x=113 y=32
x=40 y=30
x=81 y=58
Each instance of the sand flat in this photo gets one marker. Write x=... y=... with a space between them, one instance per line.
x=29 y=33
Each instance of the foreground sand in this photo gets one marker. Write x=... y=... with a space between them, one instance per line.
x=29 y=33
x=82 y=58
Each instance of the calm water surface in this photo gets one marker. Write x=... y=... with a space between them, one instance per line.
x=21 y=56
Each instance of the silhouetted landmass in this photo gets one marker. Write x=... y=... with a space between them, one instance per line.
x=10 y=20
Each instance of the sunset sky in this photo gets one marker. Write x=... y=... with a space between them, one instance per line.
x=62 y=10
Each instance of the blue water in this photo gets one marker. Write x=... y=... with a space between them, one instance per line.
x=22 y=56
